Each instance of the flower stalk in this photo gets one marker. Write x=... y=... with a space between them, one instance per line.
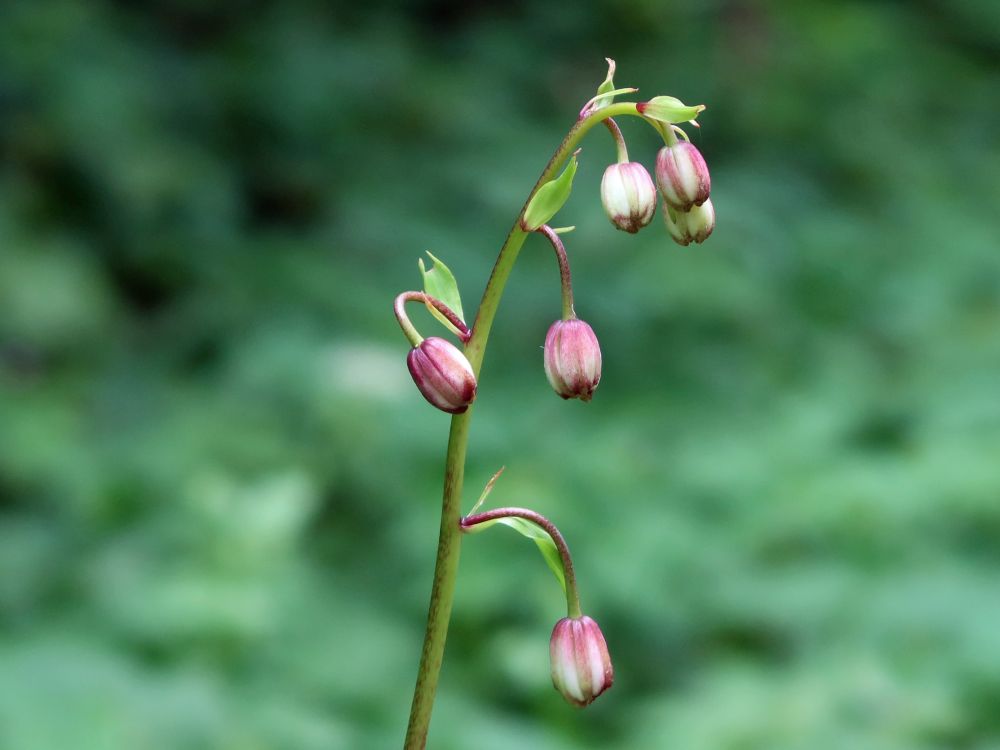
x=572 y=592
x=449 y=536
x=600 y=109
x=565 y=279
x=398 y=307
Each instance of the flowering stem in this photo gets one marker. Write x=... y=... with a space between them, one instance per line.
x=566 y=283
x=572 y=593
x=449 y=539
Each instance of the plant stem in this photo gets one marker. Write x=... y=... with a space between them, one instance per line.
x=443 y=588
x=446 y=566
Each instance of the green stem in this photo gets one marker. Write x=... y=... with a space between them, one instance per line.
x=446 y=566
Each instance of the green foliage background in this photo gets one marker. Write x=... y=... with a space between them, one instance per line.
x=219 y=489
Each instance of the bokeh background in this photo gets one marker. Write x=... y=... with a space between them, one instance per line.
x=219 y=489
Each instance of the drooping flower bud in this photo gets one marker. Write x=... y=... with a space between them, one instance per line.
x=690 y=226
x=683 y=176
x=581 y=666
x=572 y=359
x=628 y=196
x=443 y=375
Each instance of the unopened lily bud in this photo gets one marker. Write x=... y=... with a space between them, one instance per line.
x=682 y=175
x=691 y=226
x=628 y=196
x=572 y=359
x=581 y=666
x=443 y=375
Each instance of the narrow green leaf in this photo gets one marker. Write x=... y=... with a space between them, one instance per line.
x=544 y=543
x=604 y=88
x=536 y=534
x=487 y=490
x=439 y=282
x=549 y=199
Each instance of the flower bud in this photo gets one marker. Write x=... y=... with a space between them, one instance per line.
x=443 y=375
x=581 y=666
x=628 y=196
x=572 y=359
x=690 y=226
x=682 y=175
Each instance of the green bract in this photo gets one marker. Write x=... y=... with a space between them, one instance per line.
x=549 y=198
x=439 y=282
x=669 y=109
x=608 y=85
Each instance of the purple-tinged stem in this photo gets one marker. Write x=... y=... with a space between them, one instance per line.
x=410 y=332
x=616 y=133
x=572 y=593
x=566 y=282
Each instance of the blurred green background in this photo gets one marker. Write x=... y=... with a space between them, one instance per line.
x=219 y=489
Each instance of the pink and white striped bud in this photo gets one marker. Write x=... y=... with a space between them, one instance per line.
x=690 y=226
x=683 y=176
x=581 y=666
x=572 y=359
x=443 y=375
x=628 y=196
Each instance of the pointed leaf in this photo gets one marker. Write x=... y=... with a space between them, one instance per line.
x=549 y=198
x=608 y=85
x=487 y=490
x=439 y=282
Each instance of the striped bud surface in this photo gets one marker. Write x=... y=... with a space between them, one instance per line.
x=628 y=196
x=682 y=176
x=690 y=226
x=443 y=375
x=581 y=665
x=572 y=358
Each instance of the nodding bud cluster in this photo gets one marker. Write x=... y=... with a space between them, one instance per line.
x=685 y=185
x=628 y=196
x=690 y=226
x=581 y=665
x=443 y=374
x=572 y=359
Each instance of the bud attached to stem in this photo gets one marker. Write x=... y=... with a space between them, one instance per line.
x=682 y=175
x=441 y=372
x=581 y=665
x=443 y=375
x=628 y=196
x=572 y=357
